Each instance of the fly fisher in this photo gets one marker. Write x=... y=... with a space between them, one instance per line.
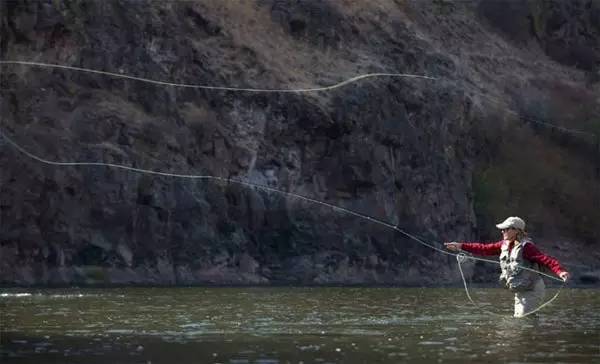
x=519 y=261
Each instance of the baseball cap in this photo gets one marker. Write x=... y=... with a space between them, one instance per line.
x=512 y=222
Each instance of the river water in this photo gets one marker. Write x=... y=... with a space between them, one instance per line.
x=292 y=325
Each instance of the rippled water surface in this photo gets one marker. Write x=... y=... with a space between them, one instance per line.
x=292 y=325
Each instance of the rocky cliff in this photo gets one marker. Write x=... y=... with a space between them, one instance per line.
x=442 y=159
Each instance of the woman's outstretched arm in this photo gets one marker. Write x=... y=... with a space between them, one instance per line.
x=476 y=248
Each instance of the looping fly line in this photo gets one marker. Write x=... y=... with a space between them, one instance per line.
x=460 y=256
x=351 y=80
x=221 y=88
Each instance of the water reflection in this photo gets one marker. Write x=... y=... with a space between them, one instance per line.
x=278 y=325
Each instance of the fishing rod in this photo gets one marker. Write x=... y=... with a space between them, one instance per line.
x=460 y=256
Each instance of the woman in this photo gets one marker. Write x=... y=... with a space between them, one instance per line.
x=517 y=251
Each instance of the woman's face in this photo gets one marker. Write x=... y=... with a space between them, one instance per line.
x=509 y=234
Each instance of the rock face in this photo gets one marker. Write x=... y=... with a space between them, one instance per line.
x=420 y=154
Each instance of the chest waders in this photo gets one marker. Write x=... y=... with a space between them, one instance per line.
x=516 y=275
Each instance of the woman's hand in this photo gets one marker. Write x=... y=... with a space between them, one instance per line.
x=454 y=246
x=564 y=276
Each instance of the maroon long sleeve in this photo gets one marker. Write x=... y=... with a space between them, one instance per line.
x=530 y=252
x=483 y=249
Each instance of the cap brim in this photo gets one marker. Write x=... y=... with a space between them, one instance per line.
x=503 y=226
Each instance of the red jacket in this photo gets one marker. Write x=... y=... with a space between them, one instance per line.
x=530 y=252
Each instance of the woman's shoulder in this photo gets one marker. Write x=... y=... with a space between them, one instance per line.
x=527 y=240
